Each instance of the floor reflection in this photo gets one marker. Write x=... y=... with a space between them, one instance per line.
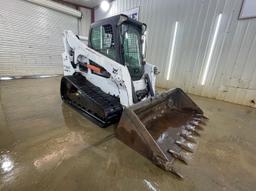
x=6 y=163
x=60 y=149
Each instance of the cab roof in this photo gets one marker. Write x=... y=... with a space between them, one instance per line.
x=118 y=20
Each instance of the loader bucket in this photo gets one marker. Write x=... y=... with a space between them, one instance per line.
x=163 y=128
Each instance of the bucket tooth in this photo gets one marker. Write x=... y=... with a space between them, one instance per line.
x=175 y=172
x=199 y=127
x=198 y=120
x=186 y=132
x=194 y=123
x=179 y=156
x=188 y=137
x=201 y=115
x=195 y=132
x=192 y=129
x=186 y=146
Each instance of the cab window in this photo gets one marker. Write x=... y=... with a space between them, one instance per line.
x=132 y=50
x=102 y=40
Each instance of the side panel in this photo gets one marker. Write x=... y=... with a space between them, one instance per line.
x=119 y=83
x=68 y=69
x=151 y=70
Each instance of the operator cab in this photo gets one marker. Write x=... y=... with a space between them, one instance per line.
x=120 y=38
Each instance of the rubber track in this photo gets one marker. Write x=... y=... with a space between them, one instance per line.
x=101 y=108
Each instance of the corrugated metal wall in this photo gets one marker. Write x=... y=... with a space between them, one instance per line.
x=31 y=38
x=85 y=22
x=232 y=71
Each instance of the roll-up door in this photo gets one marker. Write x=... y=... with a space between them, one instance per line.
x=31 y=38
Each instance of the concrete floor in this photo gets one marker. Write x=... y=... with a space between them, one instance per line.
x=46 y=145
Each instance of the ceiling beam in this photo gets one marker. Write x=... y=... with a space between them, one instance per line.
x=74 y=4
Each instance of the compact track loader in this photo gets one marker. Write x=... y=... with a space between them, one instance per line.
x=109 y=81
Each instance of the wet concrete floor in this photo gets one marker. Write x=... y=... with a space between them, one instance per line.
x=46 y=145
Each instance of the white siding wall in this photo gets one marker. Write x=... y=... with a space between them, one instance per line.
x=232 y=73
x=31 y=38
x=85 y=22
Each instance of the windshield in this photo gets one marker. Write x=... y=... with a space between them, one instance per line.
x=132 y=50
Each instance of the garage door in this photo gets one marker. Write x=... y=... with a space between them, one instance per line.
x=31 y=38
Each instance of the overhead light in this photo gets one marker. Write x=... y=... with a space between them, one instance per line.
x=172 y=50
x=209 y=58
x=104 y=5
